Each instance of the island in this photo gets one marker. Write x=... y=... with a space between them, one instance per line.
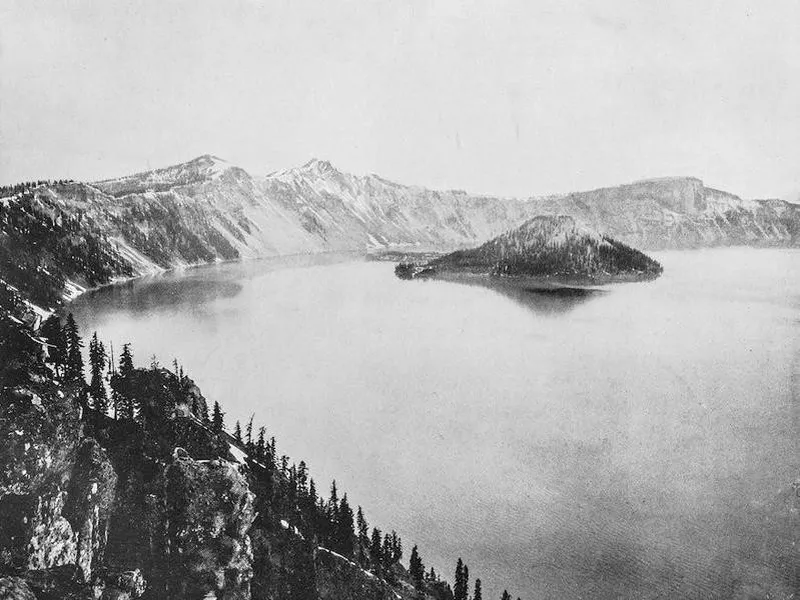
x=545 y=252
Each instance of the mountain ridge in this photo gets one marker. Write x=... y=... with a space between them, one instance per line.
x=208 y=209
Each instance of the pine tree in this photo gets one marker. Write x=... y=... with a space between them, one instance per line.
x=97 y=365
x=506 y=595
x=397 y=547
x=237 y=432
x=302 y=479
x=416 y=569
x=272 y=452
x=386 y=552
x=126 y=361
x=333 y=503
x=362 y=553
x=74 y=366
x=120 y=384
x=249 y=433
x=217 y=423
x=375 y=550
x=460 y=586
x=261 y=443
x=344 y=529
x=478 y=595
x=312 y=492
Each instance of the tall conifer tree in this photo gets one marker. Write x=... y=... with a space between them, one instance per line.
x=363 y=538
x=261 y=443
x=460 y=589
x=74 y=363
x=333 y=503
x=249 y=433
x=376 y=550
x=126 y=361
x=217 y=422
x=97 y=365
x=416 y=569
x=344 y=528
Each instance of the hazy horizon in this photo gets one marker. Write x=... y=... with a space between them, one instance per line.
x=516 y=99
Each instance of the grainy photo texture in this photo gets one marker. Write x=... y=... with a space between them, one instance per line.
x=379 y=300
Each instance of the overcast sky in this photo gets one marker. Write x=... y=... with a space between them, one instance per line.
x=508 y=97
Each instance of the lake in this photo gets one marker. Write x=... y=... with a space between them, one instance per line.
x=624 y=444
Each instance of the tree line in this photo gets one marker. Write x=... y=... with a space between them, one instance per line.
x=16 y=188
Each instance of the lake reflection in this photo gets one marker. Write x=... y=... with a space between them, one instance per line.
x=623 y=444
x=545 y=301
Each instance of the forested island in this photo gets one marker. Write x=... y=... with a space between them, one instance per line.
x=543 y=252
x=121 y=481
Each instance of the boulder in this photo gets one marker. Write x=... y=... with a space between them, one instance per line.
x=90 y=502
x=41 y=430
x=208 y=512
x=51 y=540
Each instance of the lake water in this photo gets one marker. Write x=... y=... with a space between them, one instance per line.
x=619 y=445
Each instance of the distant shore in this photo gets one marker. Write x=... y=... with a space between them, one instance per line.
x=534 y=283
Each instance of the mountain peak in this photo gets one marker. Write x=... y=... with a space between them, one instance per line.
x=315 y=167
x=207 y=158
x=318 y=165
x=201 y=169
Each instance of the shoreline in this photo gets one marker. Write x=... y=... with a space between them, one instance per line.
x=160 y=271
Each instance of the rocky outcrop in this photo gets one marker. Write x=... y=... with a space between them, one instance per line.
x=90 y=500
x=208 y=513
x=51 y=539
x=41 y=429
x=341 y=579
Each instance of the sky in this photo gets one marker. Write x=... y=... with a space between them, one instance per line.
x=509 y=97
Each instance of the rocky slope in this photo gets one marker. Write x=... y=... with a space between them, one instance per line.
x=679 y=212
x=163 y=505
x=207 y=210
x=544 y=250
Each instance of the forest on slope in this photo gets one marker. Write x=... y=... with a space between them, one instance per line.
x=546 y=248
x=120 y=481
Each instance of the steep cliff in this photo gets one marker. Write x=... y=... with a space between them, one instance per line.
x=678 y=212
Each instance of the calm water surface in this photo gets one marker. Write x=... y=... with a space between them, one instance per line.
x=619 y=445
